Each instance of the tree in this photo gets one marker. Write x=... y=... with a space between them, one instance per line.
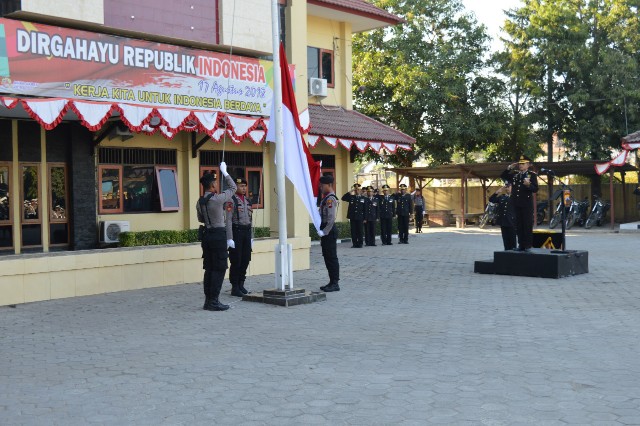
x=581 y=61
x=425 y=78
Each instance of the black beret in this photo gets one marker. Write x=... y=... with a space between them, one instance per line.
x=326 y=179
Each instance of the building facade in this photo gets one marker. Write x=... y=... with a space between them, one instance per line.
x=112 y=110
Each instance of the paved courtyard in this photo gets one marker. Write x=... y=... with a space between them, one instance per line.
x=414 y=337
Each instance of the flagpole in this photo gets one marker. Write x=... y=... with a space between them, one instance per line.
x=283 y=280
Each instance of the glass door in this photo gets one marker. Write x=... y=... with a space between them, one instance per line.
x=6 y=214
x=58 y=205
x=31 y=217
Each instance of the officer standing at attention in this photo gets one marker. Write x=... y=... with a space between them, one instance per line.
x=386 y=211
x=355 y=214
x=210 y=211
x=404 y=207
x=370 y=217
x=524 y=185
x=239 y=213
x=328 y=233
x=506 y=215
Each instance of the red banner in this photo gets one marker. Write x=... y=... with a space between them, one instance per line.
x=46 y=61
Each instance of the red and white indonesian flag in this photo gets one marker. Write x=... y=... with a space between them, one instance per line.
x=299 y=165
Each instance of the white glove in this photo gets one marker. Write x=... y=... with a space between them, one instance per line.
x=231 y=244
x=320 y=233
x=223 y=169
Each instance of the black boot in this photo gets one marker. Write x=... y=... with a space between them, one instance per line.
x=242 y=289
x=215 y=305
x=235 y=290
x=331 y=287
x=207 y=300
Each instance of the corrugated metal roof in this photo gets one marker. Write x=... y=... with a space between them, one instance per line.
x=341 y=123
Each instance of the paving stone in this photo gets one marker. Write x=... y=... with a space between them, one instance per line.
x=413 y=337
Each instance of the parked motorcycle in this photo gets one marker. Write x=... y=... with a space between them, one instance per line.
x=577 y=213
x=489 y=215
x=541 y=211
x=557 y=215
x=598 y=212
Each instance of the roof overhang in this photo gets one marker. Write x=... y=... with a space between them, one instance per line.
x=360 y=20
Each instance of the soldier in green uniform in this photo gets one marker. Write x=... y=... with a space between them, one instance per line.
x=329 y=234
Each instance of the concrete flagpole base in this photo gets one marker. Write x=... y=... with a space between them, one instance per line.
x=286 y=298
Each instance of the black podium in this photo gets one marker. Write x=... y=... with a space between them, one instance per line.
x=538 y=262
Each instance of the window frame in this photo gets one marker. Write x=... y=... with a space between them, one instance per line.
x=160 y=192
x=260 y=204
x=118 y=167
x=10 y=172
x=333 y=73
x=216 y=169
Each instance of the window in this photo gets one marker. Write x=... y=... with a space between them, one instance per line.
x=136 y=180
x=239 y=164
x=320 y=64
x=6 y=222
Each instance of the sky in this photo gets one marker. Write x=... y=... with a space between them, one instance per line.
x=490 y=13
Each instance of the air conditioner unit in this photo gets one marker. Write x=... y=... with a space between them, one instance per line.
x=318 y=87
x=110 y=230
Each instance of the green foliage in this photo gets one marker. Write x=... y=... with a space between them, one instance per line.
x=156 y=238
x=344 y=229
x=576 y=64
x=425 y=78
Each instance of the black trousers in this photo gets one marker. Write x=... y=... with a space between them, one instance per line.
x=524 y=226
x=385 y=230
x=356 y=232
x=330 y=253
x=403 y=228
x=240 y=256
x=419 y=210
x=508 y=237
x=214 y=261
x=370 y=233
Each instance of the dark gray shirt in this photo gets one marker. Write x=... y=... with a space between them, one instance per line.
x=214 y=216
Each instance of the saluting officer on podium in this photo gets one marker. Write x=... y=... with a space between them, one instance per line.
x=355 y=214
x=524 y=185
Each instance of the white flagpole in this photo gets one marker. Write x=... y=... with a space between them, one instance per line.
x=283 y=278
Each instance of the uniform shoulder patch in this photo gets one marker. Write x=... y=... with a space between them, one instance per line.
x=228 y=206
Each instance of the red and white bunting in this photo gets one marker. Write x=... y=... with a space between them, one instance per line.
x=135 y=117
x=257 y=136
x=10 y=102
x=240 y=127
x=313 y=140
x=48 y=112
x=92 y=114
x=174 y=118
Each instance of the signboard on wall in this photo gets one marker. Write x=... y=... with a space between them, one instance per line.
x=48 y=61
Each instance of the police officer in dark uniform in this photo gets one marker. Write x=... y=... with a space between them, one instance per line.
x=210 y=211
x=505 y=215
x=386 y=212
x=328 y=233
x=355 y=214
x=524 y=185
x=404 y=207
x=370 y=217
x=239 y=213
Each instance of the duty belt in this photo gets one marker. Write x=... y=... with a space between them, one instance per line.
x=238 y=226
